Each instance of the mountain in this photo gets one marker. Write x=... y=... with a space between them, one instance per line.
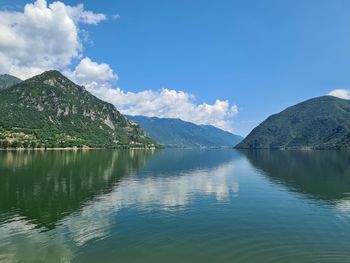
x=178 y=133
x=8 y=81
x=49 y=110
x=319 y=123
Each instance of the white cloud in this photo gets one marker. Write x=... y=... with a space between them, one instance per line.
x=167 y=103
x=163 y=103
x=79 y=15
x=42 y=37
x=48 y=36
x=88 y=72
x=340 y=93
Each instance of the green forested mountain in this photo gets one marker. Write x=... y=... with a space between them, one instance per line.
x=49 y=110
x=319 y=123
x=7 y=81
x=178 y=133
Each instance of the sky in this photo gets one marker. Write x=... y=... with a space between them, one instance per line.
x=226 y=63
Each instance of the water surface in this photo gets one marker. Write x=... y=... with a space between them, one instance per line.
x=175 y=206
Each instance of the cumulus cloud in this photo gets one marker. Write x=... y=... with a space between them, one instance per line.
x=48 y=36
x=163 y=103
x=340 y=93
x=168 y=103
x=42 y=37
x=91 y=73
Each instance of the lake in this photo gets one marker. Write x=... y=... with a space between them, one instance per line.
x=175 y=206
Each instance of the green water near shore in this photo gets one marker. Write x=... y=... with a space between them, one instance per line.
x=174 y=205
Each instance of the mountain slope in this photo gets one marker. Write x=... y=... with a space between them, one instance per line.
x=178 y=133
x=49 y=110
x=8 y=81
x=319 y=123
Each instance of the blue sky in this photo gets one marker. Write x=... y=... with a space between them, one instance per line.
x=259 y=55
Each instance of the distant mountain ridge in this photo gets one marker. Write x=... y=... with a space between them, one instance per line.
x=49 y=110
x=7 y=81
x=172 y=132
x=319 y=123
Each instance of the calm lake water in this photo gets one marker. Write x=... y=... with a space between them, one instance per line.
x=175 y=206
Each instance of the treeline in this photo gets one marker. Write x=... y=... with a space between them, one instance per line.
x=5 y=144
x=10 y=139
x=35 y=144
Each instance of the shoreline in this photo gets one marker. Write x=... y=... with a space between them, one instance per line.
x=76 y=149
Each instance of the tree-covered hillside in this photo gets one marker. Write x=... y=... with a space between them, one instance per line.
x=7 y=81
x=178 y=133
x=319 y=123
x=49 y=110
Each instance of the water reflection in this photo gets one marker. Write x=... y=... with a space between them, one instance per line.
x=44 y=187
x=78 y=194
x=154 y=191
x=321 y=175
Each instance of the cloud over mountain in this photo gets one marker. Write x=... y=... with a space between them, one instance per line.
x=340 y=93
x=168 y=103
x=42 y=37
x=49 y=36
x=89 y=73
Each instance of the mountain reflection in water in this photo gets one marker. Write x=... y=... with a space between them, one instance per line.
x=174 y=206
x=76 y=195
x=319 y=175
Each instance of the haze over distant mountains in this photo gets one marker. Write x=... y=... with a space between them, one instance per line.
x=8 y=81
x=178 y=133
x=319 y=123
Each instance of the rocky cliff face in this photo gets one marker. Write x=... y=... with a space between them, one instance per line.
x=49 y=110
